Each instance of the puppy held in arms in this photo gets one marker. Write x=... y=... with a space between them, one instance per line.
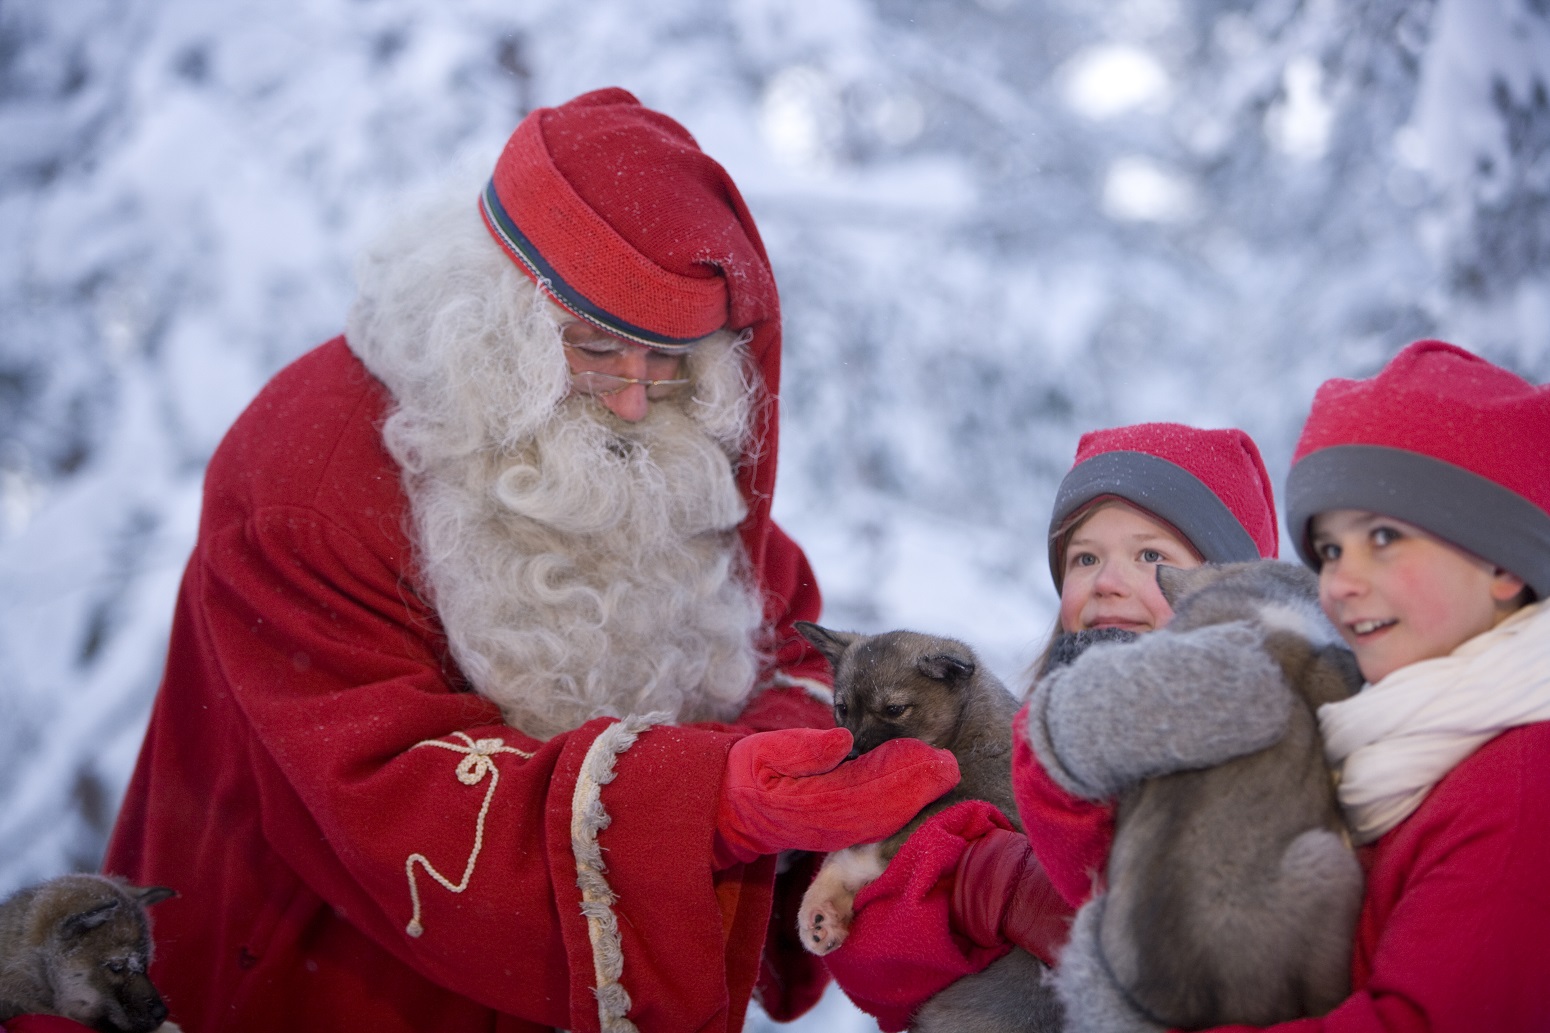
x=905 y=684
x=78 y=947
x=1232 y=891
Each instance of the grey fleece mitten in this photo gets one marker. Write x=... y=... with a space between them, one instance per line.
x=1170 y=701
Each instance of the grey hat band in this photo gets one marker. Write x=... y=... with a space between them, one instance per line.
x=1473 y=512
x=1163 y=489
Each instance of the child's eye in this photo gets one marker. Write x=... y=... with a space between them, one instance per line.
x=1151 y=556
x=1081 y=559
x=1385 y=535
x=1326 y=551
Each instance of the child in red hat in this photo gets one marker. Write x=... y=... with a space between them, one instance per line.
x=1422 y=498
x=1147 y=494
x=965 y=887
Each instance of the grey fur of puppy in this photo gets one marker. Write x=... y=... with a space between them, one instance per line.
x=1232 y=890
x=78 y=946
x=906 y=684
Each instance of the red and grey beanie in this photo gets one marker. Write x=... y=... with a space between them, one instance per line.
x=1442 y=439
x=1209 y=485
x=617 y=214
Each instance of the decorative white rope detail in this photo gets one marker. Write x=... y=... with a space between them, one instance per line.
x=476 y=763
x=588 y=818
x=814 y=688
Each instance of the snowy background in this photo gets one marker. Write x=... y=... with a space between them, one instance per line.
x=995 y=224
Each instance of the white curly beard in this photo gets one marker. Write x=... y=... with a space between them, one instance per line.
x=582 y=566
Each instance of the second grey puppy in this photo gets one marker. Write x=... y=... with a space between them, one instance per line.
x=78 y=946
x=1232 y=890
x=905 y=684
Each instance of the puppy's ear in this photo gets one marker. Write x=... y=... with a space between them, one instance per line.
x=83 y=922
x=945 y=667
x=832 y=644
x=152 y=894
x=1174 y=582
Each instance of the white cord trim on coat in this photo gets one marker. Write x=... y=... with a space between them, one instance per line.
x=588 y=818
x=814 y=688
x=476 y=763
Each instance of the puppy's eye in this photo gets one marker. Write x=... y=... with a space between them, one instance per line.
x=895 y=710
x=116 y=966
x=840 y=710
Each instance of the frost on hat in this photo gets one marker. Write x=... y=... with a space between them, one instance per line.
x=1209 y=485
x=1442 y=439
x=617 y=214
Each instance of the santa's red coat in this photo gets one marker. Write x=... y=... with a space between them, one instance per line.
x=315 y=763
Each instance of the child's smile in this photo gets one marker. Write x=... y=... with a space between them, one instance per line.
x=1399 y=595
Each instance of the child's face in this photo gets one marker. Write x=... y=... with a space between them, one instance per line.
x=1398 y=594
x=1110 y=578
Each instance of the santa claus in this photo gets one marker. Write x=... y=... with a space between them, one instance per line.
x=483 y=708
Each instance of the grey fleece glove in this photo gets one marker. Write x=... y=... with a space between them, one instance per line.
x=1169 y=701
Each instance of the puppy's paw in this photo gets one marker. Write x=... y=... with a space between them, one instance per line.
x=823 y=921
x=823 y=924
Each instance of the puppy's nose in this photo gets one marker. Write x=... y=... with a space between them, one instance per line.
x=158 y=1013
x=855 y=751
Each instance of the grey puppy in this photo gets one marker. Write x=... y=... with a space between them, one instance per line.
x=1232 y=890
x=78 y=946
x=906 y=684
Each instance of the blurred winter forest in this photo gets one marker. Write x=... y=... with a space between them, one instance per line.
x=995 y=224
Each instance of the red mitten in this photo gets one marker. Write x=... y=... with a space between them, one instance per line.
x=789 y=790
x=902 y=948
x=1002 y=895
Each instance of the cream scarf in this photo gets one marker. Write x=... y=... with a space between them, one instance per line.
x=1396 y=739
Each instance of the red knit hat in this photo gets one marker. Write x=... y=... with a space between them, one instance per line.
x=1209 y=485
x=1442 y=439
x=618 y=215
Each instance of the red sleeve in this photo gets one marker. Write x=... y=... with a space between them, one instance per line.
x=1070 y=836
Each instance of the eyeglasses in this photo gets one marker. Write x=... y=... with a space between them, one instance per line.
x=591 y=382
x=593 y=348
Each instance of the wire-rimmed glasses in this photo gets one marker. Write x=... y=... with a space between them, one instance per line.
x=601 y=358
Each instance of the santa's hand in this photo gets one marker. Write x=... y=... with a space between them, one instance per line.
x=1120 y=713
x=793 y=790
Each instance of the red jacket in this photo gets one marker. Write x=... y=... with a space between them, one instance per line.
x=286 y=790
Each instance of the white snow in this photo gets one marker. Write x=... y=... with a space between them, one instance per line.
x=994 y=225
